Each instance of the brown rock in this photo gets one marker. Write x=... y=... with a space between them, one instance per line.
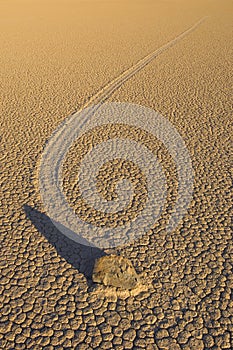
x=116 y=271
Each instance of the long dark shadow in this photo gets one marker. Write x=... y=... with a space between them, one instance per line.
x=81 y=257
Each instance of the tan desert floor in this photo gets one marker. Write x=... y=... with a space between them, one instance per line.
x=56 y=55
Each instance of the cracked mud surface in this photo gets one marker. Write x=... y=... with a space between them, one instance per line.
x=54 y=57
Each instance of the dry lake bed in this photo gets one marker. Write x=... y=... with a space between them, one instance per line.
x=60 y=59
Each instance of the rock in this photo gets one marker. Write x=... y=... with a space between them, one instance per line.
x=116 y=271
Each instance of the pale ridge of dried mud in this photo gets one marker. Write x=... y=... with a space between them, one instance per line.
x=53 y=59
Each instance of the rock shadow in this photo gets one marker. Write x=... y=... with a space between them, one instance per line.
x=81 y=257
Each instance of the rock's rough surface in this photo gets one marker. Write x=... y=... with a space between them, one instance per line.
x=115 y=271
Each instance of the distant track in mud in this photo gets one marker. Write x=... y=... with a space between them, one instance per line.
x=107 y=90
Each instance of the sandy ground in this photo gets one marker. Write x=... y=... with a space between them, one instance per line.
x=56 y=55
